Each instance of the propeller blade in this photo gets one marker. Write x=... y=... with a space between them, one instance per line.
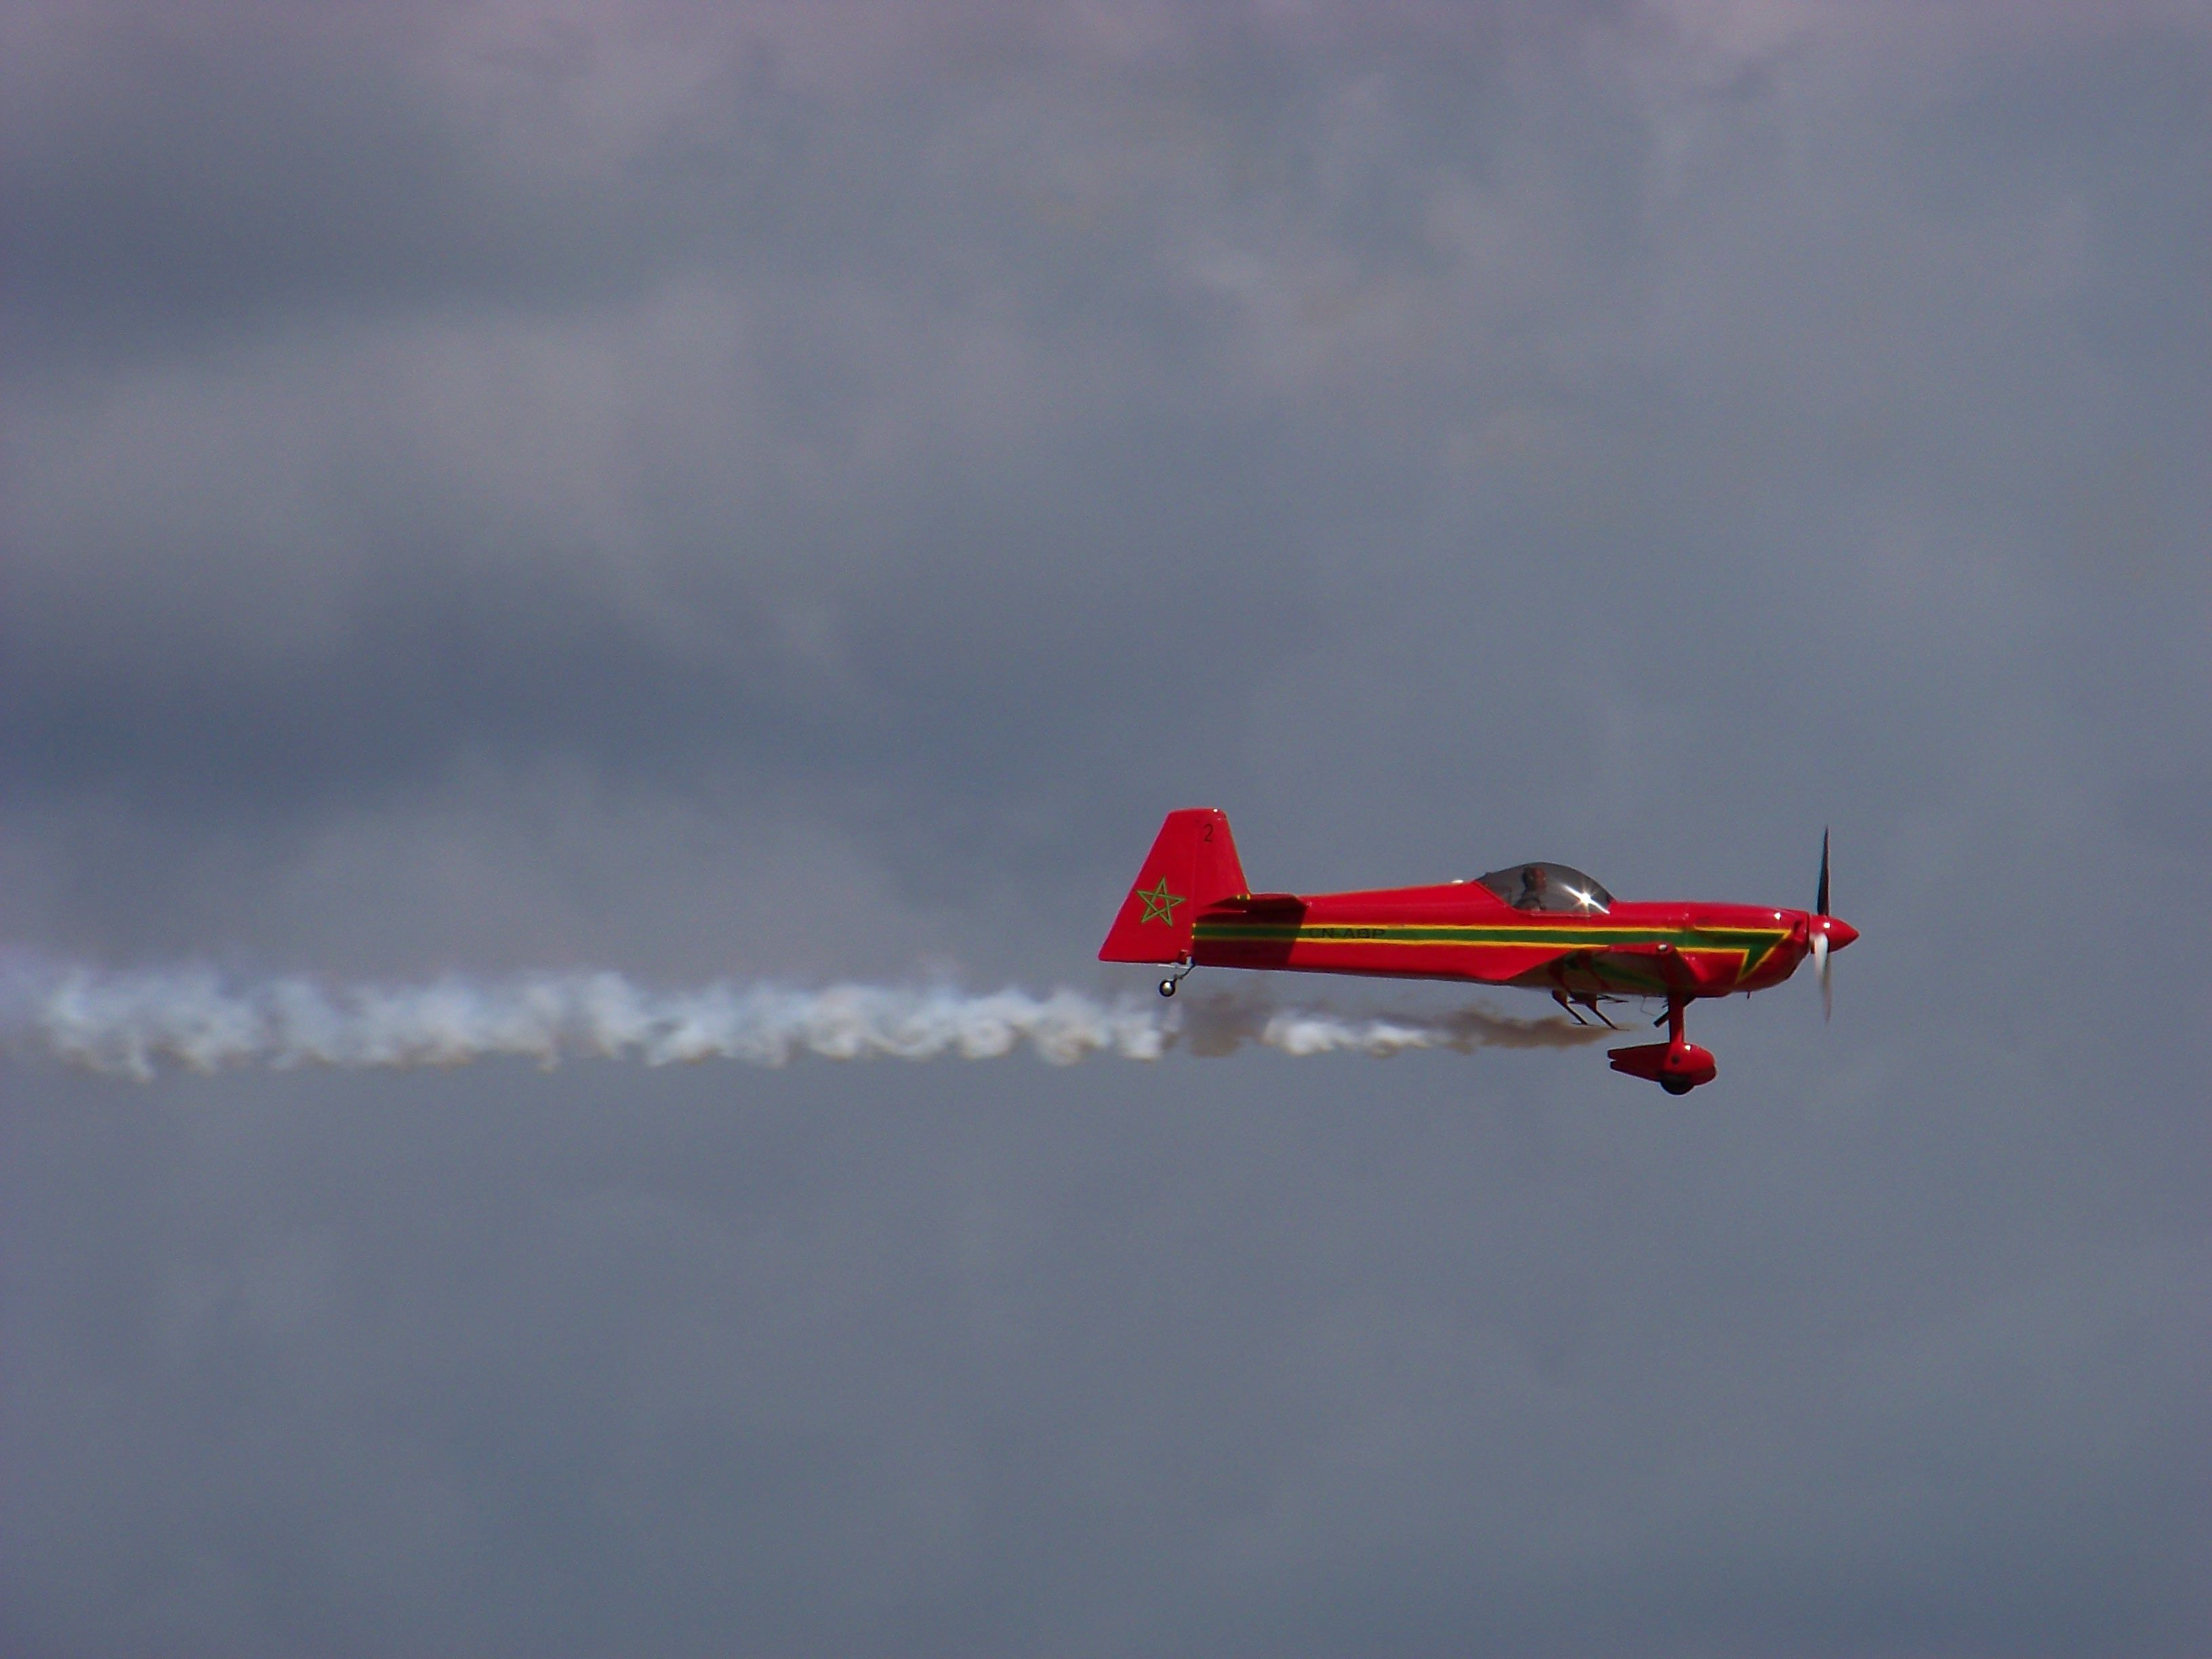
x=1820 y=973
x=1821 y=907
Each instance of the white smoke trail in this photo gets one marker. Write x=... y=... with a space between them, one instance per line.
x=134 y=1023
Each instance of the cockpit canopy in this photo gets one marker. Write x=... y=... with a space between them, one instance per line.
x=1548 y=887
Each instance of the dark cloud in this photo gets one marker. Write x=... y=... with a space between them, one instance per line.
x=802 y=494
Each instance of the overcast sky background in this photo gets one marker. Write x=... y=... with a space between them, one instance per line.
x=797 y=491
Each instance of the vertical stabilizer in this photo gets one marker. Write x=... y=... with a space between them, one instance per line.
x=1191 y=864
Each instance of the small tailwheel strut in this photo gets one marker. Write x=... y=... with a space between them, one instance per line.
x=1168 y=985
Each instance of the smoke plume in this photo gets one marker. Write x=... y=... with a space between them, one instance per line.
x=136 y=1023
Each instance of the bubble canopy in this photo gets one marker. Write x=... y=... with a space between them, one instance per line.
x=1545 y=886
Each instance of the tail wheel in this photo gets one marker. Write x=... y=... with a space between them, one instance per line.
x=1167 y=987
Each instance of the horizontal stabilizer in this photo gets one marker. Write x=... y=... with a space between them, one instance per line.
x=1261 y=902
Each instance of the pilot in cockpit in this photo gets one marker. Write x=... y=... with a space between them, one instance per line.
x=1554 y=887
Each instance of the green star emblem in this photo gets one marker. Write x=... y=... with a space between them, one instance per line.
x=1159 y=903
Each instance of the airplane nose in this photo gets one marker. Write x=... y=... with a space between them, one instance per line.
x=1840 y=933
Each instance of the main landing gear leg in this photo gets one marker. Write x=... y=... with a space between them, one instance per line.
x=1673 y=1081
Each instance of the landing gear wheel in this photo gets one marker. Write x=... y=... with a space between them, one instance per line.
x=1167 y=987
x=1676 y=1085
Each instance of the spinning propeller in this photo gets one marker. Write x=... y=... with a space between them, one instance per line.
x=1828 y=933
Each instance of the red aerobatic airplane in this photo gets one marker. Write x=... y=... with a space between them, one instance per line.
x=1543 y=927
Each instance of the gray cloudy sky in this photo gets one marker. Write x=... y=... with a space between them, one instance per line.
x=798 y=491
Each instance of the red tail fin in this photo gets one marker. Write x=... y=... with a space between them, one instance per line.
x=1193 y=864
